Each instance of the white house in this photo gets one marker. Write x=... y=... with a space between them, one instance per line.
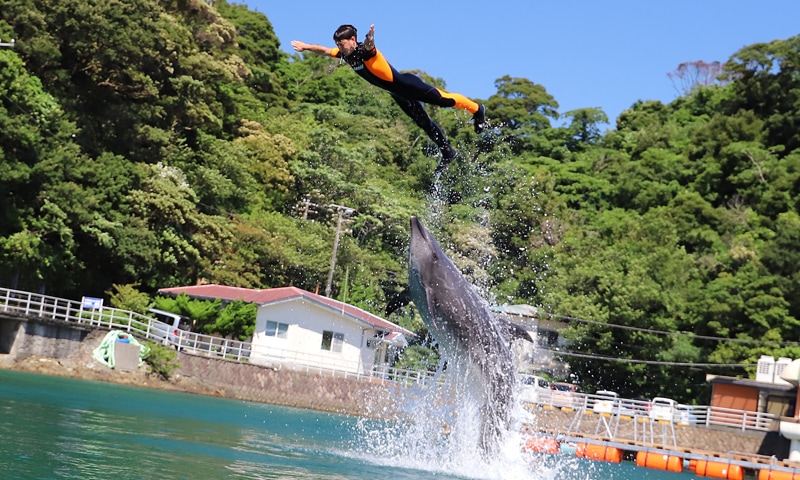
x=300 y=328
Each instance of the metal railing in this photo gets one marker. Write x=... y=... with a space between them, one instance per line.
x=141 y=326
x=691 y=415
x=148 y=328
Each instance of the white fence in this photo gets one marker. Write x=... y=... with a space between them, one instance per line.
x=148 y=328
x=693 y=415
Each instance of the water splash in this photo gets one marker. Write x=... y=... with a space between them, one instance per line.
x=438 y=433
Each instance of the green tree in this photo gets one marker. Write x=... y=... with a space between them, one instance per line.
x=236 y=320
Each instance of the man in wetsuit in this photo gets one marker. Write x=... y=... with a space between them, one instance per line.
x=408 y=90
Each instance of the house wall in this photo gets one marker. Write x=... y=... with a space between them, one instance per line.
x=739 y=397
x=303 y=344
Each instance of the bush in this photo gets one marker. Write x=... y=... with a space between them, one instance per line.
x=161 y=360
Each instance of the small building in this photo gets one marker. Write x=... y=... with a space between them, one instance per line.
x=769 y=392
x=298 y=328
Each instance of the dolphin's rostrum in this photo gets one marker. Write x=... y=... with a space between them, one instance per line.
x=458 y=319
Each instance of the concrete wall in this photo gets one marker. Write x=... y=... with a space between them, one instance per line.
x=25 y=338
x=290 y=388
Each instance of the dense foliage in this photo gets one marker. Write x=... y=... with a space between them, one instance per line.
x=163 y=143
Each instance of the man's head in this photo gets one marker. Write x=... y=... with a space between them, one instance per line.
x=346 y=39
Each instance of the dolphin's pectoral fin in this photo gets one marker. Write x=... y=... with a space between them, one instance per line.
x=516 y=330
x=429 y=294
x=513 y=330
x=397 y=300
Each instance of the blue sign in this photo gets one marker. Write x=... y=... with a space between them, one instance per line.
x=92 y=303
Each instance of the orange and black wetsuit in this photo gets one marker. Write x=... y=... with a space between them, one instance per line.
x=407 y=89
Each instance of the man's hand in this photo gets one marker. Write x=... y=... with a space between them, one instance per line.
x=369 y=39
x=299 y=46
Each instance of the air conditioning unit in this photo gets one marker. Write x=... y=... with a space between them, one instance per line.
x=780 y=364
x=791 y=373
x=765 y=370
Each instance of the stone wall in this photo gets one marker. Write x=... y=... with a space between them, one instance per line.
x=290 y=388
x=40 y=337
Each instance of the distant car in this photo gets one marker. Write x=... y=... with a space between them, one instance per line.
x=533 y=388
x=167 y=328
x=634 y=407
x=684 y=415
x=605 y=401
x=662 y=409
x=562 y=394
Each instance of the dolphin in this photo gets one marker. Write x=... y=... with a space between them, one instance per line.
x=467 y=333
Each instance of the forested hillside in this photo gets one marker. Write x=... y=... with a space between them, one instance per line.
x=164 y=143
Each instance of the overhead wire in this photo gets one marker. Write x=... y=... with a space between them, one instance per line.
x=663 y=332
x=645 y=362
x=656 y=332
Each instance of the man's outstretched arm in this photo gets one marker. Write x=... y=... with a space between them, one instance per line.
x=369 y=39
x=302 y=47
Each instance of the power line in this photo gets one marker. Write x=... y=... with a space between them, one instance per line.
x=646 y=362
x=662 y=332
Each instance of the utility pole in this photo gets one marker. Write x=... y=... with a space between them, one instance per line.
x=341 y=211
x=306 y=207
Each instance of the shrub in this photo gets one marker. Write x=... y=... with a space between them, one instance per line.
x=161 y=360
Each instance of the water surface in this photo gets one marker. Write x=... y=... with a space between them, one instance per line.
x=62 y=428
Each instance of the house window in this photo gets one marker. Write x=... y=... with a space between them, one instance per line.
x=332 y=341
x=276 y=329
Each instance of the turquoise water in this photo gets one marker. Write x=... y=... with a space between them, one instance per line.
x=61 y=428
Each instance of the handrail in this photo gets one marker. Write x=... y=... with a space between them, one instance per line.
x=689 y=415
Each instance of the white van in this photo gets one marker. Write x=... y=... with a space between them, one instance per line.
x=662 y=408
x=605 y=401
x=168 y=326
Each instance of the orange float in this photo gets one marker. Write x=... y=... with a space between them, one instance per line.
x=769 y=474
x=542 y=445
x=659 y=461
x=592 y=451
x=707 y=468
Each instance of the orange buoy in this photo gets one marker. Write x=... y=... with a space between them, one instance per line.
x=770 y=474
x=592 y=451
x=706 y=468
x=659 y=461
x=542 y=445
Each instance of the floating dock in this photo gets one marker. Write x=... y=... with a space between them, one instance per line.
x=731 y=465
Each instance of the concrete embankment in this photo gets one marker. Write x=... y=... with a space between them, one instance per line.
x=53 y=348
